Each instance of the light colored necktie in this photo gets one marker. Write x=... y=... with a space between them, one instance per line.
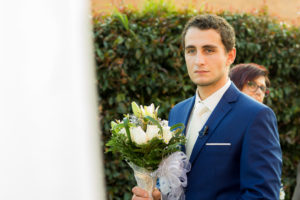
x=198 y=120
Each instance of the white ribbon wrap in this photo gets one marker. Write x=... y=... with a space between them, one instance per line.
x=145 y=179
x=172 y=176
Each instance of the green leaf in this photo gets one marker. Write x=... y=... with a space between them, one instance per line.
x=138 y=54
x=177 y=126
x=126 y=125
x=100 y=54
x=119 y=40
x=123 y=19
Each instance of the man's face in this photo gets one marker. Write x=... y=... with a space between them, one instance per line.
x=206 y=59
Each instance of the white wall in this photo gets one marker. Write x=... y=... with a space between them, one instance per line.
x=49 y=134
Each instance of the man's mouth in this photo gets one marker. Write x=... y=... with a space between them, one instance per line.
x=201 y=71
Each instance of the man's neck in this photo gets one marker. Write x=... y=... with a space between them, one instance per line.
x=205 y=91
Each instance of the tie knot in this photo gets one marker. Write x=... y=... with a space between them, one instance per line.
x=201 y=108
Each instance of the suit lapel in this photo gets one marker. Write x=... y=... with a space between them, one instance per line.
x=187 y=112
x=223 y=107
x=185 y=115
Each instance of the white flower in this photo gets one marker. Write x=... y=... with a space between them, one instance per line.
x=122 y=131
x=138 y=135
x=149 y=111
x=144 y=111
x=282 y=194
x=164 y=123
x=152 y=131
x=167 y=134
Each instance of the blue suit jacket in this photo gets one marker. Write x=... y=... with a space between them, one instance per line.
x=250 y=166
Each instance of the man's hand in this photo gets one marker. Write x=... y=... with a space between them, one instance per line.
x=140 y=194
x=156 y=194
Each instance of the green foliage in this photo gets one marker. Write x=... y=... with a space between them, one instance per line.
x=147 y=155
x=148 y=67
x=158 y=6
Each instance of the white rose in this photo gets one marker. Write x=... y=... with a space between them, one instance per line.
x=152 y=131
x=167 y=134
x=138 y=135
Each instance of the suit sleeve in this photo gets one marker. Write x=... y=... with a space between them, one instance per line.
x=261 y=158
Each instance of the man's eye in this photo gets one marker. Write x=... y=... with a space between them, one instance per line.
x=189 y=51
x=209 y=50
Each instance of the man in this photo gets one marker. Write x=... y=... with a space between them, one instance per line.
x=232 y=140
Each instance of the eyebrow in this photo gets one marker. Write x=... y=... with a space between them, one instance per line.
x=208 y=46
x=190 y=47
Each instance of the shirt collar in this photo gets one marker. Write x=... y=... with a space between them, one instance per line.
x=212 y=101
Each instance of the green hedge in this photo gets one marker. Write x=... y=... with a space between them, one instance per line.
x=139 y=58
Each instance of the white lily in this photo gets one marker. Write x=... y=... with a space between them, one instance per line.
x=143 y=111
x=149 y=111
x=136 y=110
x=138 y=135
x=167 y=134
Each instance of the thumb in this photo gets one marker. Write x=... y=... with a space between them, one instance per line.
x=156 y=194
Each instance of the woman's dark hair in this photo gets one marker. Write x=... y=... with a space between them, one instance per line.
x=242 y=73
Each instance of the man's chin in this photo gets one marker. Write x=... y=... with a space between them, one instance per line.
x=204 y=84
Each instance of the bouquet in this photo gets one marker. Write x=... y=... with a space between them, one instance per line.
x=152 y=150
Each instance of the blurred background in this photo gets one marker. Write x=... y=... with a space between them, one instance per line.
x=288 y=11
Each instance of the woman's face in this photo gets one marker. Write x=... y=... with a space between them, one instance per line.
x=256 y=88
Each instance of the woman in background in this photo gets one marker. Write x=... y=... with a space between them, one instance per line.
x=252 y=79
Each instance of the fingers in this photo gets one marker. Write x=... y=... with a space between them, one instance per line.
x=140 y=194
x=139 y=198
x=156 y=194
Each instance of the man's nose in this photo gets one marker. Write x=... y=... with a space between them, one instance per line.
x=199 y=59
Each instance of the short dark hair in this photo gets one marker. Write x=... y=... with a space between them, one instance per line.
x=209 y=21
x=242 y=73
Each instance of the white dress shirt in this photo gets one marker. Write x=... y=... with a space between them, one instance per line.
x=199 y=115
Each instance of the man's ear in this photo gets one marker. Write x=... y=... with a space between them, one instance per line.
x=231 y=56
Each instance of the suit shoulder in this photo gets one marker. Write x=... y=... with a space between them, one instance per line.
x=252 y=105
x=183 y=103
